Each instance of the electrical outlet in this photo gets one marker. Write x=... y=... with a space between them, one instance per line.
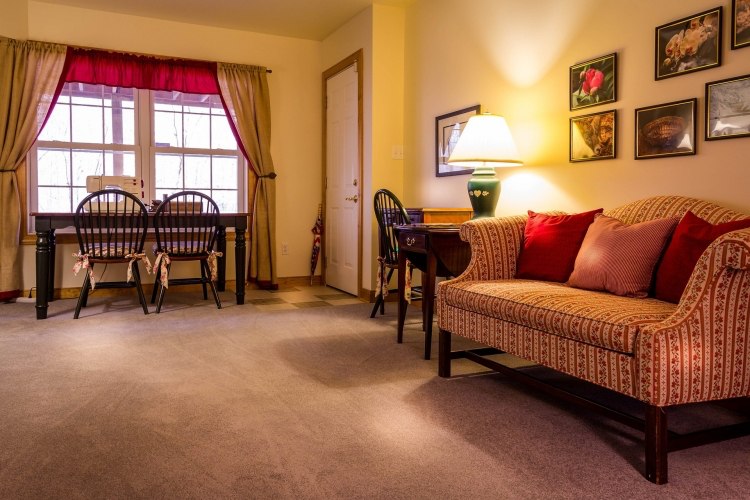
x=284 y=249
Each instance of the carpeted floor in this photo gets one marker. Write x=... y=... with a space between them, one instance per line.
x=308 y=403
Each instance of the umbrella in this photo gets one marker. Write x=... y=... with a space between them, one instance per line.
x=317 y=230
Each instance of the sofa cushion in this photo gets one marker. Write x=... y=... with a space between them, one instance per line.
x=550 y=245
x=690 y=239
x=620 y=258
x=596 y=318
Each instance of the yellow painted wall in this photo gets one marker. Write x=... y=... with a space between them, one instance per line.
x=295 y=102
x=14 y=19
x=513 y=58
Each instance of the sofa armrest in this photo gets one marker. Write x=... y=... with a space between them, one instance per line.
x=702 y=351
x=495 y=245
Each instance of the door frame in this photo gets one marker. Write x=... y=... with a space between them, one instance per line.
x=356 y=59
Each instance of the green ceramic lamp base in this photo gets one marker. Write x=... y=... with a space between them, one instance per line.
x=484 y=191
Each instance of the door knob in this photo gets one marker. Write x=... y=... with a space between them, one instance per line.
x=354 y=198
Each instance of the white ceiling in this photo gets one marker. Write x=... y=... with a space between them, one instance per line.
x=311 y=19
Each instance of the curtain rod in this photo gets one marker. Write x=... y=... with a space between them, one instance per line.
x=158 y=56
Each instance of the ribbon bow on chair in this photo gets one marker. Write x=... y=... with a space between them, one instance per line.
x=135 y=257
x=163 y=260
x=82 y=262
x=212 y=266
x=381 y=287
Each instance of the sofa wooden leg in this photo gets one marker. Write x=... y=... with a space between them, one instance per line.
x=444 y=354
x=656 y=444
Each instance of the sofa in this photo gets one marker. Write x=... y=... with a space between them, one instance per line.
x=659 y=353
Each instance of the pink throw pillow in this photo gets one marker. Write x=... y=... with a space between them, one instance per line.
x=690 y=240
x=620 y=258
x=550 y=245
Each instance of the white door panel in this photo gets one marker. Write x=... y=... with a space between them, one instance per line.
x=342 y=181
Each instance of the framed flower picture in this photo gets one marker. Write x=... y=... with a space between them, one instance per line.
x=665 y=130
x=593 y=82
x=689 y=44
x=740 y=23
x=592 y=137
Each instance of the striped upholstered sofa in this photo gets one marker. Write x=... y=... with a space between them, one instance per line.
x=659 y=353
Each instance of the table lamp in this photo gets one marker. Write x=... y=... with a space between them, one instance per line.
x=485 y=143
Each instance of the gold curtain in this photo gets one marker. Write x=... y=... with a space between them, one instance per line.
x=245 y=92
x=29 y=75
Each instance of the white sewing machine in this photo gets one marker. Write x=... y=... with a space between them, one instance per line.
x=124 y=182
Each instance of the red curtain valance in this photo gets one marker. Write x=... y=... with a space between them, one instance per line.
x=143 y=72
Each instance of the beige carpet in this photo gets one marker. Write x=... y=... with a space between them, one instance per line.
x=310 y=403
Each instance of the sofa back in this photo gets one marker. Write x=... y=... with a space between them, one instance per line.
x=659 y=207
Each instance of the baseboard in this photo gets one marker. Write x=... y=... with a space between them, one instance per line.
x=72 y=293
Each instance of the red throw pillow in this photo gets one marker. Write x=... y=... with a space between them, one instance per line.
x=550 y=245
x=621 y=258
x=690 y=240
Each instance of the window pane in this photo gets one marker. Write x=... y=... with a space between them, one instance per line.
x=119 y=163
x=167 y=101
x=87 y=124
x=227 y=200
x=86 y=163
x=168 y=171
x=54 y=199
x=53 y=167
x=221 y=134
x=78 y=195
x=225 y=172
x=197 y=133
x=216 y=107
x=167 y=129
x=57 y=127
x=119 y=126
x=83 y=93
x=196 y=103
x=197 y=172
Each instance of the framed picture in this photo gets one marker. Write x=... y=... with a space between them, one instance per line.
x=728 y=108
x=592 y=137
x=448 y=129
x=593 y=82
x=665 y=130
x=740 y=24
x=690 y=44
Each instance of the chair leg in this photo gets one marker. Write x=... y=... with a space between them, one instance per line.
x=82 y=295
x=378 y=302
x=139 y=287
x=162 y=291
x=207 y=271
x=86 y=291
x=203 y=279
x=157 y=284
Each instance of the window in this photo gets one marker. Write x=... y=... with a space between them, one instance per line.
x=170 y=140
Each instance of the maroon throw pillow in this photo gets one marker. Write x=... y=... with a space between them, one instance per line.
x=690 y=240
x=550 y=245
x=620 y=258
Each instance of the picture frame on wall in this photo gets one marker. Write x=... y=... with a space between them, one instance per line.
x=728 y=108
x=448 y=128
x=665 y=130
x=593 y=136
x=593 y=82
x=740 y=24
x=689 y=44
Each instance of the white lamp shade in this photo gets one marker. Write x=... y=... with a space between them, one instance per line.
x=485 y=141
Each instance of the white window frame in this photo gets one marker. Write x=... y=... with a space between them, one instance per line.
x=145 y=152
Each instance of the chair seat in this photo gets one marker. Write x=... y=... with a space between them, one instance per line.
x=181 y=251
